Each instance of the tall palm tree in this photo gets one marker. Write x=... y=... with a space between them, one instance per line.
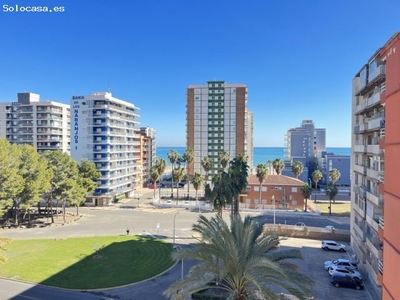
x=238 y=172
x=206 y=163
x=297 y=168
x=278 y=165
x=239 y=260
x=197 y=182
x=262 y=174
x=160 y=164
x=188 y=156
x=306 y=191
x=334 y=175
x=222 y=192
x=223 y=159
x=154 y=177
x=178 y=174
x=173 y=159
x=331 y=191
x=316 y=176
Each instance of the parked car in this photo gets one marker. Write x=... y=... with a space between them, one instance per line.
x=332 y=245
x=300 y=224
x=352 y=273
x=187 y=202
x=344 y=280
x=350 y=264
x=169 y=201
x=330 y=227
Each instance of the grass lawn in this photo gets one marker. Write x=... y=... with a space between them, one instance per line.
x=339 y=208
x=74 y=263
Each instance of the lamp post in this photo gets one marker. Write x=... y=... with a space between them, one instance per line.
x=173 y=228
x=273 y=199
x=179 y=247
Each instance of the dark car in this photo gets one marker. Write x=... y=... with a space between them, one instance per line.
x=344 y=280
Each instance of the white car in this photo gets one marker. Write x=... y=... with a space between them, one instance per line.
x=332 y=245
x=341 y=262
x=352 y=273
x=169 y=201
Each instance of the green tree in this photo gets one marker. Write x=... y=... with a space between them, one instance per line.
x=173 y=157
x=154 y=177
x=334 y=175
x=223 y=159
x=297 y=168
x=160 y=164
x=11 y=182
x=178 y=174
x=36 y=177
x=189 y=158
x=331 y=191
x=316 y=176
x=262 y=174
x=222 y=192
x=197 y=182
x=206 y=163
x=238 y=172
x=278 y=165
x=86 y=181
x=306 y=192
x=239 y=259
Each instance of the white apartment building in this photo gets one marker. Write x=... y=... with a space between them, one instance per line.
x=218 y=119
x=105 y=130
x=44 y=125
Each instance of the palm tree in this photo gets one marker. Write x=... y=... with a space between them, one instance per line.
x=316 y=176
x=189 y=159
x=223 y=159
x=154 y=177
x=306 y=191
x=297 y=168
x=197 y=182
x=173 y=159
x=160 y=164
x=331 y=191
x=278 y=165
x=239 y=260
x=222 y=192
x=206 y=163
x=262 y=174
x=334 y=175
x=178 y=174
x=238 y=172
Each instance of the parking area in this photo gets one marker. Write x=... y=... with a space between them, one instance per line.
x=313 y=266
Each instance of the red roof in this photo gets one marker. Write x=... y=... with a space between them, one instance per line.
x=275 y=180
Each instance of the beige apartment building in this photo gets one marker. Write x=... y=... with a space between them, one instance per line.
x=44 y=125
x=218 y=119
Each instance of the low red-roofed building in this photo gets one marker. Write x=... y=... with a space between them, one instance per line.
x=286 y=191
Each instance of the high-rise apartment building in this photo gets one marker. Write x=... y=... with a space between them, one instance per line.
x=44 y=125
x=105 y=130
x=375 y=197
x=218 y=119
x=148 y=151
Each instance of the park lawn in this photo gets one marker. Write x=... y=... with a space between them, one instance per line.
x=339 y=208
x=73 y=263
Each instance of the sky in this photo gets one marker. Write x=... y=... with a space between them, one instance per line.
x=297 y=58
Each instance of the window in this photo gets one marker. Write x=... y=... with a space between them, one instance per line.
x=263 y=188
x=294 y=189
x=248 y=188
x=256 y=188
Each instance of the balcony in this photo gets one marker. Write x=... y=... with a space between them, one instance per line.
x=381 y=228
x=360 y=190
x=371 y=173
x=375 y=198
x=374 y=149
x=360 y=148
x=379 y=72
x=380 y=266
x=374 y=246
x=361 y=107
x=381 y=176
x=360 y=169
x=376 y=123
x=373 y=221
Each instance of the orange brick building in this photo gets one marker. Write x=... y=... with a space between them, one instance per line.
x=285 y=190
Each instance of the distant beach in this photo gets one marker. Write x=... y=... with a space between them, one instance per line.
x=261 y=154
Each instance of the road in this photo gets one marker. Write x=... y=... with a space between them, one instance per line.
x=141 y=220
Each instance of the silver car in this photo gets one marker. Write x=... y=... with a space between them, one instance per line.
x=352 y=273
x=341 y=262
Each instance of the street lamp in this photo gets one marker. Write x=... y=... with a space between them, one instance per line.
x=173 y=228
x=180 y=248
x=273 y=199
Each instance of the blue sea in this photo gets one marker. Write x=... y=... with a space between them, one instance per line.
x=261 y=154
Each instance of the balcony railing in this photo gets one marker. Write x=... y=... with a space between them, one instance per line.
x=381 y=222
x=360 y=148
x=376 y=98
x=376 y=123
x=380 y=70
x=382 y=176
x=380 y=266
